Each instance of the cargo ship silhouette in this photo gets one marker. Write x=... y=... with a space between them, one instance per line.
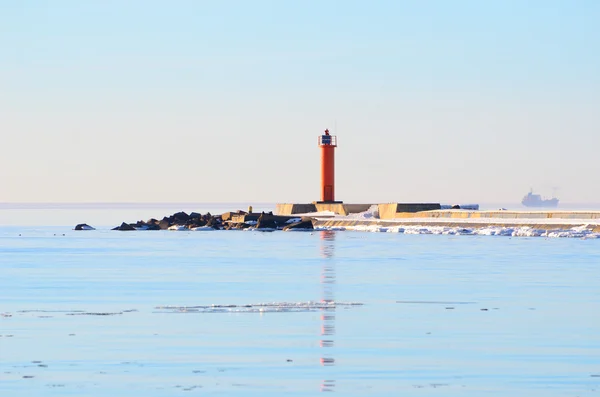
x=536 y=200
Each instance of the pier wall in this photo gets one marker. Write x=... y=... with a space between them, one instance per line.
x=292 y=209
x=355 y=224
x=390 y=214
x=390 y=210
x=386 y=212
x=337 y=208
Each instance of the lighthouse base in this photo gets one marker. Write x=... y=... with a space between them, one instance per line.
x=386 y=211
x=337 y=207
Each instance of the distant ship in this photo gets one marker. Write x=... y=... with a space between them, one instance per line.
x=535 y=200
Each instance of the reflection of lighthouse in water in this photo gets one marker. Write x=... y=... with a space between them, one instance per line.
x=327 y=297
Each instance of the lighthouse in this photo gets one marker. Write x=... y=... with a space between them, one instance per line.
x=327 y=143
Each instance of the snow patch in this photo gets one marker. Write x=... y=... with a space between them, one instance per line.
x=524 y=231
x=203 y=228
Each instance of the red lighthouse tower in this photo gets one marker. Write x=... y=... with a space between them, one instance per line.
x=327 y=143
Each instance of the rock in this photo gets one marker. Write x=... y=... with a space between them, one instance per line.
x=236 y=226
x=164 y=224
x=214 y=222
x=153 y=224
x=305 y=224
x=83 y=226
x=180 y=217
x=149 y=226
x=124 y=227
x=266 y=221
x=198 y=223
x=140 y=225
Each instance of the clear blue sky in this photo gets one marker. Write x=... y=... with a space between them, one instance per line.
x=452 y=101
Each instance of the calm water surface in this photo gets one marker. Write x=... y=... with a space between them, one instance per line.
x=91 y=314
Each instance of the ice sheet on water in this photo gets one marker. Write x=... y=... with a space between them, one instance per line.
x=274 y=307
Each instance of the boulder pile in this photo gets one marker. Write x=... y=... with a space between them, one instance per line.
x=182 y=219
x=234 y=220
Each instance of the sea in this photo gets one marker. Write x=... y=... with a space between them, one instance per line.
x=246 y=313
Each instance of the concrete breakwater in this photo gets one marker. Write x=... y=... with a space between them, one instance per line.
x=544 y=220
x=363 y=216
x=359 y=224
x=373 y=217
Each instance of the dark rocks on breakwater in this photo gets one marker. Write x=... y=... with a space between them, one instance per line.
x=181 y=219
x=124 y=226
x=83 y=226
x=233 y=220
x=261 y=221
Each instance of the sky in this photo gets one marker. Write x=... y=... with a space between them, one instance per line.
x=223 y=101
